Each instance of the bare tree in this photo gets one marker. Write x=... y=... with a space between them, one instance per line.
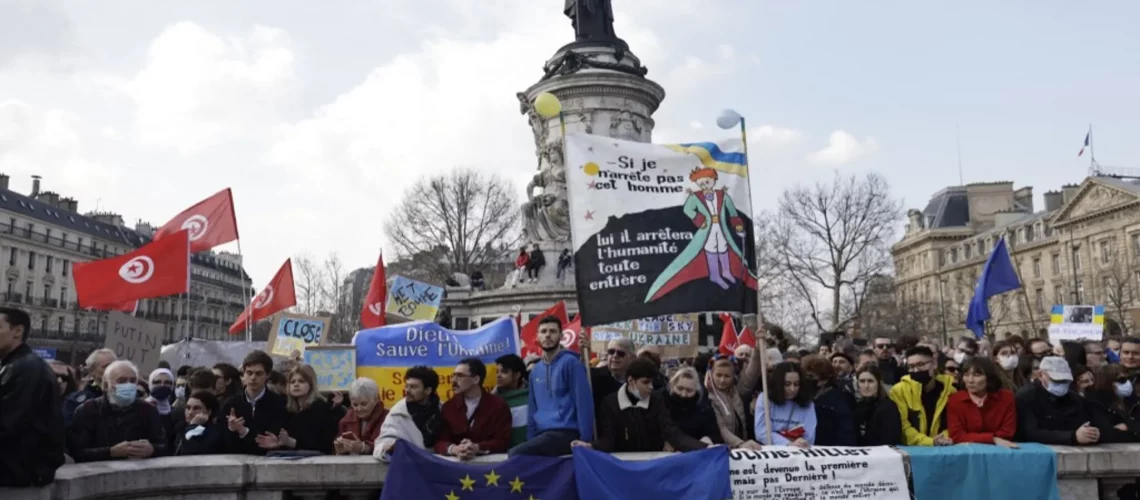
x=1116 y=287
x=831 y=237
x=309 y=288
x=470 y=214
x=335 y=300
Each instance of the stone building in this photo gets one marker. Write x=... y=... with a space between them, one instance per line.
x=1081 y=248
x=43 y=234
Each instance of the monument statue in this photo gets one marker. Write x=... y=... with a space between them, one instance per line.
x=593 y=20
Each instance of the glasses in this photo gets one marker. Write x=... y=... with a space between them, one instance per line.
x=460 y=375
x=882 y=346
x=616 y=353
x=951 y=369
x=1122 y=380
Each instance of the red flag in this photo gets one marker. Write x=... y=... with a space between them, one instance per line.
x=157 y=269
x=747 y=338
x=728 y=340
x=124 y=307
x=278 y=295
x=373 y=312
x=528 y=336
x=571 y=333
x=211 y=222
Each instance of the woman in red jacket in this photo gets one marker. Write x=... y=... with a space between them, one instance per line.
x=984 y=412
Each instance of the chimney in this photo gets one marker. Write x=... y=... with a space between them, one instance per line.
x=49 y=197
x=1053 y=200
x=1024 y=197
x=73 y=205
x=3 y=182
x=35 y=186
x=1068 y=191
x=145 y=229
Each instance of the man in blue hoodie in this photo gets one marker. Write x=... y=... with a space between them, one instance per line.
x=560 y=408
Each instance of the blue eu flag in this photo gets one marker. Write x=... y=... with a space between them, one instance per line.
x=694 y=475
x=416 y=474
x=998 y=276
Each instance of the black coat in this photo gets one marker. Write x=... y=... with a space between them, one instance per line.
x=1046 y=419
x=835 y=421
x=270 y=417
x=877 y=422
x=99 y=425
x=212 y=441
x=1105 y=417
x=315 y=427
x=626 y=426
x=695 y=418
x=31 y=424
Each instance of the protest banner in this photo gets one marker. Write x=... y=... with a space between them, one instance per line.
x=47 y=353
x=135 y=339
x=384 y=354
x=335 y=366
x=675 y=334
x=659 y=228
x=413 y=300
x=818 y=473
x=294 y=332
x=1072 y=323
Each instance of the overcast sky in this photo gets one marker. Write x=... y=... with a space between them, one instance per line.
x=318 y=114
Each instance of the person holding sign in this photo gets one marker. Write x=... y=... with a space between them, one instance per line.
x=475 y=422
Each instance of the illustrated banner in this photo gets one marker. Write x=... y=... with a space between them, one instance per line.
x=335 y=366
x=675 y=334
x=384 y=354
x=413 y=300
x=818 y=473
x=659 y=228
x=1075 y=323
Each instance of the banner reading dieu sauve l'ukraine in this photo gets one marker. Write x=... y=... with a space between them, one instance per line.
x=384 y=354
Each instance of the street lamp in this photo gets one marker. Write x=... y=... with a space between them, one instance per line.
x=942 y=304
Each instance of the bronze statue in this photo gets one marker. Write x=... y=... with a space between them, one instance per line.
x=593 y=20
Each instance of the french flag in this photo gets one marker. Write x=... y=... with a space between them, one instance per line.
x=1087 y=136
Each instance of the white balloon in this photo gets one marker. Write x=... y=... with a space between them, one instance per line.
x=728 y=119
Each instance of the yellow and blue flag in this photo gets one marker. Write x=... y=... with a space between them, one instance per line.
x=694 y=475
x=717 y=156
x=416 y=474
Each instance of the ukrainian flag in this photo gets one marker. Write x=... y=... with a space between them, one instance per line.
x=712 y=156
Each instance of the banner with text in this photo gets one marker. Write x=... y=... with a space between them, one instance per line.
x=818 y=473
x=294 y=332
x=1075 y=323
x=136 y=340
x=659 y=228
x=675 y=334
x=384 y=354
x=413 y=300
x=334 y=365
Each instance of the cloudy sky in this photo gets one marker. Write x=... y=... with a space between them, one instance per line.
x=319 y=113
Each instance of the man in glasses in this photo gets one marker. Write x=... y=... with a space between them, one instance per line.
x=921 y=397
x=606 y=380
x=475 y=422
x=888 y=365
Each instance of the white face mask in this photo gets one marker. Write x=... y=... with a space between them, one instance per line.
x=960 y=357
x=1059 y=389
x=1008 y=362
x=1124 y=389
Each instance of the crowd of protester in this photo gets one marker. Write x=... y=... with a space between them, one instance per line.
x=907 y=391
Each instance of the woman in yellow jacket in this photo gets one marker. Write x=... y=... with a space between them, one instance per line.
x=921 y=397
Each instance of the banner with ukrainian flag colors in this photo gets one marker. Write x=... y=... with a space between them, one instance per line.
x=384 y=354
x=659 y=228
x=1076 y=323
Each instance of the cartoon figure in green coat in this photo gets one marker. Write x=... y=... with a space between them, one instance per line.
x=714 y=252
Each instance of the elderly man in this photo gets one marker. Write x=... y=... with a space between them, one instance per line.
x=96 y=362
x=606 y=380
x=116 y=425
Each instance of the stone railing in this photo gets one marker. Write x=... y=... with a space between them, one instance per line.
x=1083 y=474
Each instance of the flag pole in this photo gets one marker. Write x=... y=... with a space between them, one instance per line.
x=244 y=293
x=1092 y=150
x=1025 y=295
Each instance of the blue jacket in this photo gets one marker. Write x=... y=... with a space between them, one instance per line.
x=785 y=417
x=560 y=397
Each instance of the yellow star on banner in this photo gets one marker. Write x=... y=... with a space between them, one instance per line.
x=468 y=483
x=452 y=496
x=532 y=498
x=516 y=485
x=492 y=478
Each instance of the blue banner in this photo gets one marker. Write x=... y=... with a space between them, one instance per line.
x=984 y=471
x=47 y=353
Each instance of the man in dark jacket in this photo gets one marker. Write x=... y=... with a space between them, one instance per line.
x=635 y=418
x=475 y=422
x=256 y=410
x=888 y=365
x=1048 y=413
x=31 y=426
x=96 y=363
x=117 y=425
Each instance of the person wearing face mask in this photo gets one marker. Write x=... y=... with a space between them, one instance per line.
x=117 y=425
x=1010 y=365
x=984 y=412
x=967 y=348
x=689 y=409
x=635 y=417
x=1049 y=413
x=199 y=433
x=92 y=386
x=921 y=398
x=1105 y=401
x=162 y=397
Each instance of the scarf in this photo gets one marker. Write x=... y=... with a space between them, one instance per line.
x=427 y=418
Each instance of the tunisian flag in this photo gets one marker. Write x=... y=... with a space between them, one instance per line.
x=276 y=296
x=728 y=340
x=747 y=338
x=211 y=222
x=124 y=307
x=528 y=336
x=372 y=313
x=157 y=269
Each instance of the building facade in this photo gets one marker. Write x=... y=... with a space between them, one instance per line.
x=42 y=235
x=1082 y=248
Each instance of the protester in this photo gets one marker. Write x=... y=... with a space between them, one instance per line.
x=952 y=369
x=1048 y=413
x=510 y=384
x=1105 y=402
x=726 y=394
x=65 y=377
x=200 y=433
x=689 y=410
x=921 y=398
x=358 y=430
x=161 y=396
x=229 y=381
x=560 y=409
x=1083 y=380
x=607 y=380
x=985 y=412
x=1009 y=364
x=653 y=353
x=535 y=263
x=416 y=418
x=200 y=379
x=31 y=425
x=876 y=416
x=310 y=419
x=792 y=412
x=117 y=425
x=1038 y=348
x=635 y=417
x=888 y=365
x=967 y=348
x=255 y=411
x=475 y=422
x=844 y=372
x=277 y=382
x=95 y=364
x=834 y=407
x=1094 y=354
x=867 y=357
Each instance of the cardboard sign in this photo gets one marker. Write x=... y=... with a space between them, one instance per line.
x=294 y=332
x=676 y=334
x=413 y=300
x=335 y=366
x=136 y=340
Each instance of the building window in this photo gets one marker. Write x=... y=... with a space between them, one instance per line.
x=47 y=267
x=63 y=267
x=59 y=324
x=1056 y=265
x=12 y=257
x=1037 y=268
x=1021 y=235
x=47 y=292
x=1077 y=259
x=31 y=260
x=1058 y=294
x=1136 y=244
x=62 y=297
x=28 y=290
x=1105 y=252
x=1106 y=285
x=1039 y=295
x=1080 y=290
x=953 y=255
x=1037 y=231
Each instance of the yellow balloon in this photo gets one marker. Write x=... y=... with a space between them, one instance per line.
x=547 y=105
x=591 y=169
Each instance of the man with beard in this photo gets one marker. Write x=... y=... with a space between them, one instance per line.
x=888 y=365
x=416 y=418
x=560 y=409
x=1130 y=361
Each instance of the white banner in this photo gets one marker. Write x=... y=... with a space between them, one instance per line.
x=819 y=473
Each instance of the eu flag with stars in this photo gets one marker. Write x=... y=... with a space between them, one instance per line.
x=998 y=276
x=416 y=474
